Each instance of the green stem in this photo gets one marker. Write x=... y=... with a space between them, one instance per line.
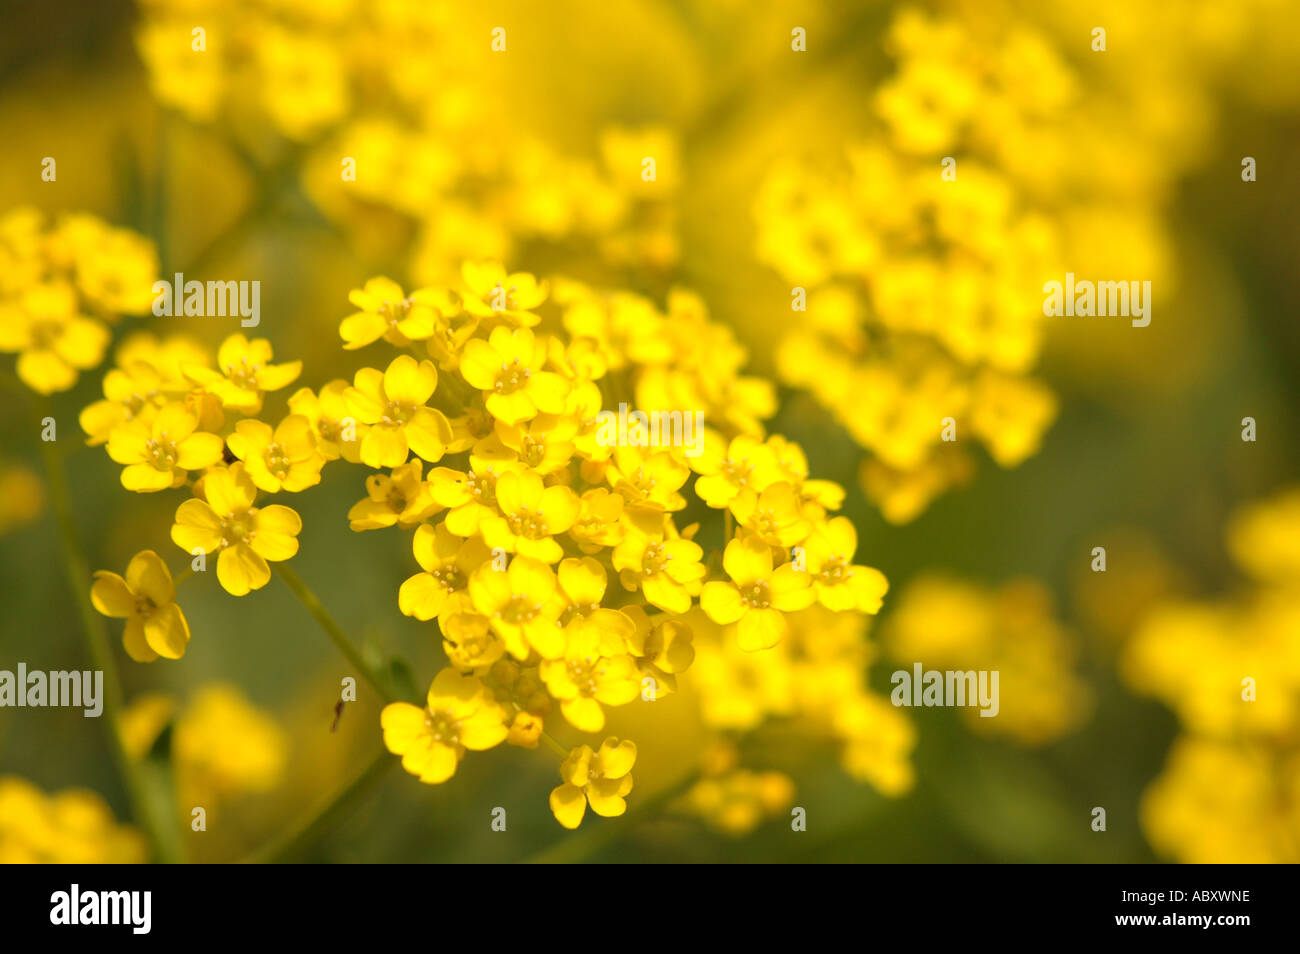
x=298 y=839
x=332 y=629
x=156 y=820
x=555 y=747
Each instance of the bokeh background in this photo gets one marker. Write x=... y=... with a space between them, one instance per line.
x=775 y=168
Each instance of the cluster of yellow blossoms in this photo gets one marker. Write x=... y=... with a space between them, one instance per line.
x=994 y=166
x=400 y=93
x=61 y=285
x=1230 y=669
x=951 y=624
x=73 y=826
x=556 y=560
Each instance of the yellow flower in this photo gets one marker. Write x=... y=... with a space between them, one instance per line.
x=667 y=571
x=507 y=368
x=647 y=478
x=158 y=453
x=432 y=741
x=394 y=402
x=403 y=498
x=52 y=340
x=223 y=747
x=774 y=516
x=146 y=599
x=447 y=562
x=469 y=642
x=602 y=778
x=746 y=463
x=544 y=444
x=533 y=514
x=284 y=459
x=593 y=670
x=74 y=826
x=494 y=294
x=389 y=313
x=757 y=598
x=331 y=420
x=128 y=392
x=663 y=647
x=244 y=373
x=600 y=522
x=839 y=584
x=471 y=494
x=225 y=521
x=519 y=602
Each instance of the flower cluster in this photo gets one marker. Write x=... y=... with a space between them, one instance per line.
x=1230 y=669
x=397 y=90
x=73 y=826
x=61 y=286
x=559 y=565
x=950 y=624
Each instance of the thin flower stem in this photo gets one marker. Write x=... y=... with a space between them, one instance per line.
x=554 y=746
x=154 y=819
x=332 y=629
x=297 y=840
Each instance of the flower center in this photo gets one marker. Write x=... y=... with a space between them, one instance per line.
x=395 y=412
x=395 y=311
x=162 y=452
x=511 y=378
x=243 y=374
x=519 y=609
x=277 y=460
x=835 y=570
x=449 y=577
x=525 y=523
x=756 y=595
x=238 y=528
x=442 y=727
x=654 y=559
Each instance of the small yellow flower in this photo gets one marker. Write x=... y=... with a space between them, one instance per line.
x=447 y=562
x=458 y=715
x=52 y=340
x=389 y=313
x=507 y=368
x=471 y=494
x=159 y=453
x=244 y=373
x=600 y=523
x=225 y=521
x=648 y=479
x=284 y=459
x=533 y=515
x=494 y=294
x=662 y=645
x=667 y=571
x=520 y=603
x=146 y=599
x=394 y=402
x=774 y=515
x=128 y=393
x=593 y=670
x=403 y=498
x=757 y=598
x=337 y=432
x=745 y=464
x=602 y=778
x=839 y=584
